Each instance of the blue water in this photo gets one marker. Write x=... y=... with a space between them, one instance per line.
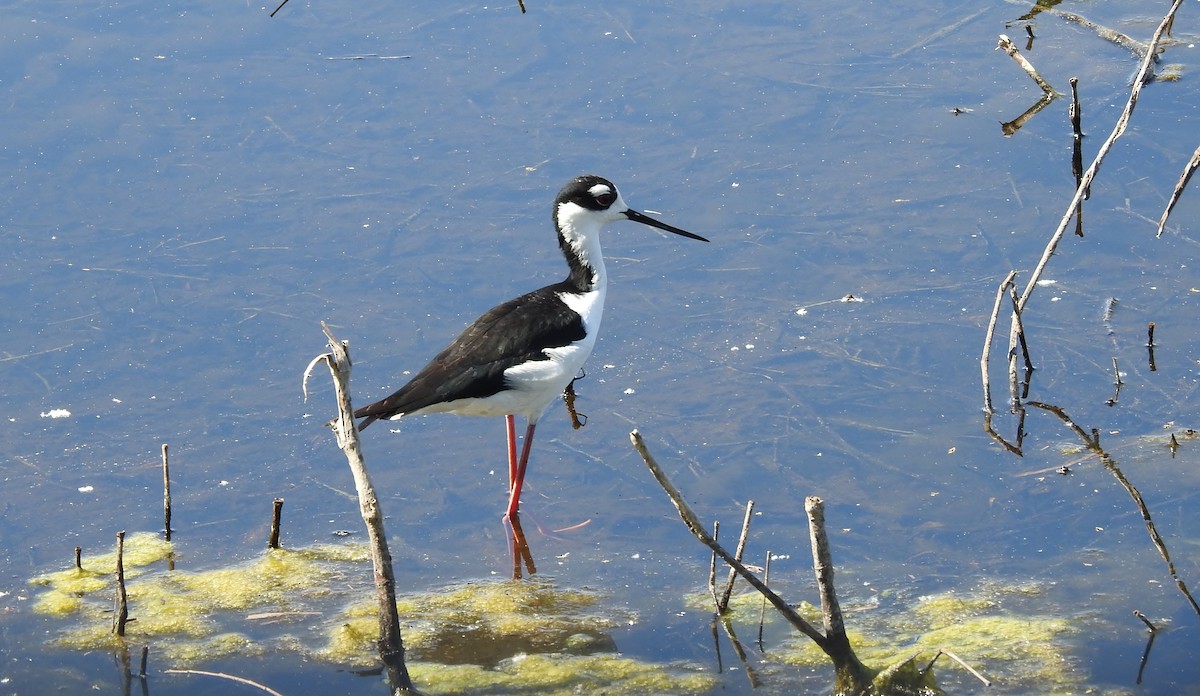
x=189 y=191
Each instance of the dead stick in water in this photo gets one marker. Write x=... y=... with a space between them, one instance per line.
x=1006 y=44
x=166 y=493
x=697 y=528
x=985 y=358
x=122 y=616
x=391 y=646
x=1075 y=112
x=712 y=568
x=276 y=513
x=1139 y=80
x=1188 y=170
x=78 y=558
x=222 y=675
x=762 y=609
x=723 y=604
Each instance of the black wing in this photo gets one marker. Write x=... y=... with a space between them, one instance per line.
x=473 y=365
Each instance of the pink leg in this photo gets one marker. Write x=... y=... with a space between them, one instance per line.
x=512 y=450
x=514 y=497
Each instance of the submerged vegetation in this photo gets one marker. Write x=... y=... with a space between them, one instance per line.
x=527 y=636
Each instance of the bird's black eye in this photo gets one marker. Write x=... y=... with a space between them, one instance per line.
x=606 y=199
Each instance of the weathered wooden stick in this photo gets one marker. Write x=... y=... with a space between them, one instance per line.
x=831 y=610
x=222 y=675
x=166 y=467
x=697 y=528
x=762 y=609
x=391 y=646
x=276 y=514
x=723 y=603
x=1149 y=625
x=1139 y=80
x=987 y=342
x=1092 y=442
x=1006 y=44
x=712 y=570
x=122 y=615
x=1075 y=112
x=1188 y=170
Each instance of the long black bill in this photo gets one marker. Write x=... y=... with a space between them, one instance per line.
x=647 y=220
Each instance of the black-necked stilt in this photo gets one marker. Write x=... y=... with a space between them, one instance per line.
x=518 y=357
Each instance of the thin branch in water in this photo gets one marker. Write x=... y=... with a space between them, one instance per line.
x=1076 y=114
x=1150 y=346
x=166 y=468
x=122 y=615
x=1188 y=170
x=222 y=675
x=276 y=514
x=1006 y=44
x=1117 y=382
x=762 y=610
x=942 y=651
x=697 y=528
x=1149 y=644
x=723 y=602
x=391 y=646
x=1134 y=46
x=1140 y=79
x=1093 y=443
x=985 y=358
x=712 y=570
x=1015 y=340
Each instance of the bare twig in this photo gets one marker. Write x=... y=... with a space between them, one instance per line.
x=222 y=675
x=762 y=609
x=122 y=615
x=956 y=658
x=1144 y=71
x=1188 y=170
x=697 y=528
x=835 y=629
x=712 y=569
x=166 y=493
x=1014 y=340
x=391 y=647
x=987 y=341
x=1134 y=46
x=276 y=514
x=1150 y=346
x=1117 y=383
x=1075 y=112
x=1006 y=44
x=1093 y=443
x=723 y=602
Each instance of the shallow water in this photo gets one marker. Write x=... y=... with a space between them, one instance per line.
x=190 y=191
